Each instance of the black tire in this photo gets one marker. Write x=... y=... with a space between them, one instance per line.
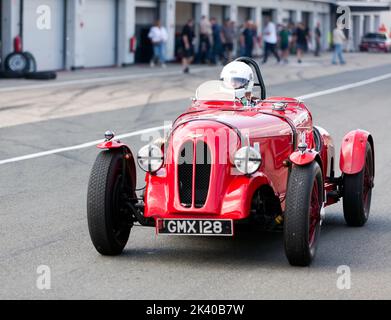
x=32 y=61
x=16 y=62
x=11 y=75
x=304 y=196
x=109 y=222
x=357 y=192
x=43 y=75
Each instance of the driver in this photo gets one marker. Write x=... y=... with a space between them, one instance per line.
x=240 y=77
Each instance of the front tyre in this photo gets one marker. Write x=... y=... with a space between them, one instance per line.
x=109 y=220
x=302 y=217
x=357 y=192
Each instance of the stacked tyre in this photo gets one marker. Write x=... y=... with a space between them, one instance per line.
x=23 y=65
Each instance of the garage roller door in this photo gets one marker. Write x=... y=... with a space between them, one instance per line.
x=99 y=32
x=217 y=12
x=243 y=15
x=46 y=44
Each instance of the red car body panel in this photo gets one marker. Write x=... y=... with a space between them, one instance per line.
x=233 y=204
x=112 y=144
x=352 y=157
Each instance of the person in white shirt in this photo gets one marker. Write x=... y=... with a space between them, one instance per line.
x=338 y=41
x=158 y=35
x=270 y=39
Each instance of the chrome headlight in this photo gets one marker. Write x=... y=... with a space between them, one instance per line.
x=247 y=160
x=150 y=158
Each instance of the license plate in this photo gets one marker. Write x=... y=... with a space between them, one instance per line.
x=195 y=227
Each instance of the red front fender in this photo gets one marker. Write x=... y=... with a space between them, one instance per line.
x=301 y=159
x=352 y=157
x=237 y=200
x=112 y=144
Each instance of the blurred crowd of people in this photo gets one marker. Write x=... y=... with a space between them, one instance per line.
x=221 y=43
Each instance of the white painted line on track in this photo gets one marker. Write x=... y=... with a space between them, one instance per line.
x=79 y=146
x=154 y=129
x=345 y=87
x=99 y=80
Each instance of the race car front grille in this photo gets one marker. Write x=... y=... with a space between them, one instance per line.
x=202 y=172
x=194 y=163
x=185 y=173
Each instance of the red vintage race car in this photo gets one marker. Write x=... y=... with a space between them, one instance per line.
x=222 y=164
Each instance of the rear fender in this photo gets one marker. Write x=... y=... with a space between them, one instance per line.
x=352 y=156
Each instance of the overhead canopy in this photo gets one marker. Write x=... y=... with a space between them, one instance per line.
x=365 y=5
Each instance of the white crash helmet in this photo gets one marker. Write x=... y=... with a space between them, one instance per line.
x=239 y=76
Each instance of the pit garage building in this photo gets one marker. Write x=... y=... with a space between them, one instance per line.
x=72 y=34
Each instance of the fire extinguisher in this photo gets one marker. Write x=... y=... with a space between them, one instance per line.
x=18 y=44
x=132 y=44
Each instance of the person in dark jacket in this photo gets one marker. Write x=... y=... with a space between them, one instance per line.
x=318 y=37
x=247 y=39
x=187 y=37
x=301 y=41
x=284 y=36
x=217 y=46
